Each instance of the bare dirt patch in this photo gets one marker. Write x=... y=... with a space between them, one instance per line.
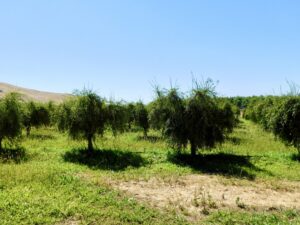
x=197 y=195
x=69 y=221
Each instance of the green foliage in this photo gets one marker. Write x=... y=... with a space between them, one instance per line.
x=174 y=118
x=35 y=115
x=263 y=110
x=280 y=115
x=196 y=120
x=52 y=109
x=10 y=117
x=206 y=123
x=240 y=102
x=287 y=122
x=228 y=117
x=130 y=109
x=142 y=117
x=83 y=117
x=159 y=110
x=117 y=116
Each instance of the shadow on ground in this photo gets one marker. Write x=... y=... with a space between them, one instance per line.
x=41 y=136
x=220 y=163
x=296 y=157
x=105 y=159
x=235 y=140
x=17 y=155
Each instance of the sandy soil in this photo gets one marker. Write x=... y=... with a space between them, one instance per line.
x=197 y=195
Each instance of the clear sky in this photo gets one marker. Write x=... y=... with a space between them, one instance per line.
x=120 y=47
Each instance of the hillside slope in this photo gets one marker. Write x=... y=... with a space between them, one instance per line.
x=30 y=94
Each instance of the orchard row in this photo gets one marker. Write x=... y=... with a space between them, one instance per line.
x=280 y=115
x=197 y=120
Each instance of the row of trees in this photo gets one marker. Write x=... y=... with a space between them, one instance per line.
x=88 y=115
x=280 y=115
x=16 y=114
x=83 y=116
x=196 y=120
x=199 y=119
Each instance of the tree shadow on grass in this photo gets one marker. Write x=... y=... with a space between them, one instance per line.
x=105 y=159
x=17 y=155
x=42 y=136
x=234 y=140
x=296 y=157
x=221 y=163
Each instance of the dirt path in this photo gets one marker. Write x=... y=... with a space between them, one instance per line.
x=197 y=195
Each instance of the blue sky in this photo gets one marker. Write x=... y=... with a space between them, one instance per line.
x=120 y=47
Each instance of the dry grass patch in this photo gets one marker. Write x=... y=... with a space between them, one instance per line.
x=197 y=195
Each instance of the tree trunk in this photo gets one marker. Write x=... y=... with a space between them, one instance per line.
x=193 y=149
x=28 y=131
x=145 y=134
x=90 y=144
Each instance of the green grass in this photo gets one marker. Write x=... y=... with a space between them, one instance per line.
x=55 y=182
x=238 y=218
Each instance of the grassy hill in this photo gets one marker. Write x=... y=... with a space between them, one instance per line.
x=30 y=94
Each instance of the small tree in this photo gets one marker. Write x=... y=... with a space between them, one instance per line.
x=117 y=117
x=172 y=110
x=130 y=109
x=160 y=109
x=10 y=117
x=35 y=115
x=227 y=117
x=196 y=120
x=142 y=117
x=52 y=109
x=83 y=117
x=205 y=121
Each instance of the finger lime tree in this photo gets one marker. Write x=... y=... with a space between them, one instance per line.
x=195 y=120
x=35 y=115
x=87 y=115
x=10 y=118
x=83 y=117
x=117 y=116
x=142 y=117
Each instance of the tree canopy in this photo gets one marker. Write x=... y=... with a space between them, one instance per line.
x=83 y=117
x=195 y=119
x=10 y=117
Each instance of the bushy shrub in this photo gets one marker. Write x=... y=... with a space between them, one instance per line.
x=287 y=122
x=196 y=119
x=130 y=110
x=142 y=117
x=117 y=116
x=35 y=115
x=10 y=117
x=83 y=117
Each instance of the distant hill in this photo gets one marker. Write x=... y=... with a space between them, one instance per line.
x=30 y=94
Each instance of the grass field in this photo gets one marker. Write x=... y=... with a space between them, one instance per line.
x=51 y=179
